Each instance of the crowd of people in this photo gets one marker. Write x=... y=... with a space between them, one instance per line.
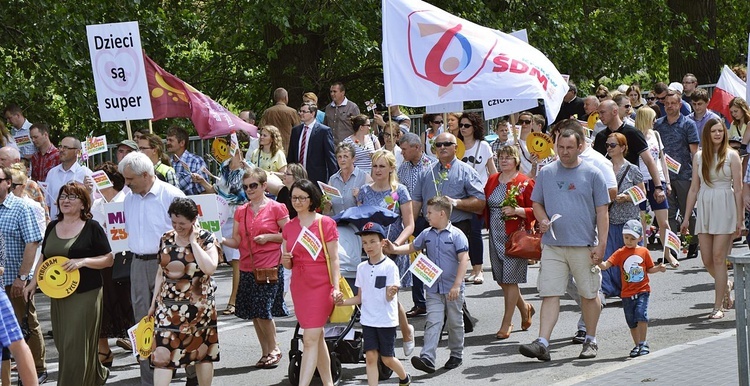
x=445 y=183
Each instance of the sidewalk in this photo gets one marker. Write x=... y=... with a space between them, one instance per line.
x=708 y=361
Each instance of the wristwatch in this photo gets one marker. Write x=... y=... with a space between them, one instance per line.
x=24 y=277
x=658 y=187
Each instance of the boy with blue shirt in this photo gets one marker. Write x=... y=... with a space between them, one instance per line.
x=448 y=248
x=378 y=282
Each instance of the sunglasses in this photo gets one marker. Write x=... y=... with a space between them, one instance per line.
x=524 y=121
x=438 y=122
x=612 y=145
x=627 y=106
x=443 y=144
x=650 y=99
x=252 y=186
x=662 y=98
x=465 y=125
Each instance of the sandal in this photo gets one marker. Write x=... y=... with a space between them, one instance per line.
x=645 y=350
x=635 y=351
x=272 y=360
x=229 y=310
x=526 y=317
x=261 y=364
x=728 y=302
x=107 y=360
x=479 y=280
x=716 y=314
x=504 y=334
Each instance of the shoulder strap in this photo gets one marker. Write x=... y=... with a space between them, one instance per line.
x=619 y=182
x=325 y=250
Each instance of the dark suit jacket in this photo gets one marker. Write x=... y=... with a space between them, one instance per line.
x=321 y=160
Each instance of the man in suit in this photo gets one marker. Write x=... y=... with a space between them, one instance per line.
x=311 y=145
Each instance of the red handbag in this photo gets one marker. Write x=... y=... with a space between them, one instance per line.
x=524 y=244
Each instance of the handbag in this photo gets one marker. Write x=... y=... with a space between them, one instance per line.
x=263 y=275
x=340 y=314
x=524 y=244
x=121 y=266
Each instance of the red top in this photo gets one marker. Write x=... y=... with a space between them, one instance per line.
x=251 y=224
x=634 y=264
x=524 y=200
x=42 y=163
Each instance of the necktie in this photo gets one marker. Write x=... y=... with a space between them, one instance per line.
x=303 y=146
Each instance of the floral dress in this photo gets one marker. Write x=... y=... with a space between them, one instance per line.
x=185 y=318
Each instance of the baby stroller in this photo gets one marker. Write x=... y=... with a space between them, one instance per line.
x=344 y=342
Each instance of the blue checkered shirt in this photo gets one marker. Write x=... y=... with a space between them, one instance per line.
x=9 y=330
x=409 y=174
x=196 y=165
x=19 y=227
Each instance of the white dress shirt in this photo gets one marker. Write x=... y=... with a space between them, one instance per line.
x=56 y=178
x=146 y=217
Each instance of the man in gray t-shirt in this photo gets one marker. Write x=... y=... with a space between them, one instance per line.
x=577 y=192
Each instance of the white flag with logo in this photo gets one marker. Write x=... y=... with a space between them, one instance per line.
x=449 y=59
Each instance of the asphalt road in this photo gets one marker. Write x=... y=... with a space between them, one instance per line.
x=680 y=303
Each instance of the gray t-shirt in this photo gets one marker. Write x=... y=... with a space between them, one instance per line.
x=574 y=194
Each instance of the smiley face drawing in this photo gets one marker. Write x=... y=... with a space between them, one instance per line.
x=144 y=336
x=539 y=144
x=220 y=149
x=54 y=281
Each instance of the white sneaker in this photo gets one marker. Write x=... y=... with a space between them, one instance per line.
x=409 y=346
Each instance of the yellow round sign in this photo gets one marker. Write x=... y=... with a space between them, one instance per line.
x=539 y=144
x=144 y=336
x=460 y=148
x=220 y=149
x=54 y=281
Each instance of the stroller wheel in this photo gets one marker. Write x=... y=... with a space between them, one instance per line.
x=384 y=372
x=335 y=368
x=295 y=361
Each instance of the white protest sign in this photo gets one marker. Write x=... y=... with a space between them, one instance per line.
x=119 y=71
x=494 y=108
x=427 y=271
x=208 y=213
x=118 y=238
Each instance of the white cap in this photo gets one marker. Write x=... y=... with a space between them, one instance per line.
x=675 y=86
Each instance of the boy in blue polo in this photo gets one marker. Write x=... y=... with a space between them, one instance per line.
x=378 y=283
x=448 y=248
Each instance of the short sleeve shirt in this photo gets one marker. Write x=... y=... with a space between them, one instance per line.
x=456 y=181
x=636 y=142
x=442 y=247
x=372 y=281
x=677 y=138
x=479 y=158
x=252 y=254
x=634 y=264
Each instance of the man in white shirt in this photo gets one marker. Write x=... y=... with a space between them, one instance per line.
x=146 y=220
x=68 y=170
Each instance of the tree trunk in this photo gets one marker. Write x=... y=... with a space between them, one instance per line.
x=688 y=54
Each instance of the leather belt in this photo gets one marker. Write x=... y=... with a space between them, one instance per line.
x=151 y=256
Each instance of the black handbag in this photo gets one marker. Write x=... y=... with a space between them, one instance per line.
x=121 y=266
x=25 y=330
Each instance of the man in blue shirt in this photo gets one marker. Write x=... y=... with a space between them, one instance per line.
x=184 y=162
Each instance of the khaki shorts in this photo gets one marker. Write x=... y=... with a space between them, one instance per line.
x=558 y=262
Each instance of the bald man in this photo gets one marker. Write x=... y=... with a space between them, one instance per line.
x=281 y=116
x=68 y=170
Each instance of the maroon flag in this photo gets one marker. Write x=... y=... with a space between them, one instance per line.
x=173 y=98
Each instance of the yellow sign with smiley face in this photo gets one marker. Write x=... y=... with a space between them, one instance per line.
x=220 y=149
x=54 y=281
x=540 y=144
x=144 y=336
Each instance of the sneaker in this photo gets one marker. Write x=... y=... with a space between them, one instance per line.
x=406 y=381
x=580 y=337
x=589 y=350
x=536 y=350
x=635 y=351
x=453 y=363
x=423 y=364
x=409 y=346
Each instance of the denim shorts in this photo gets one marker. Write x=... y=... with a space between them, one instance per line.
x=636 y=309
x=382 y=339
x=650 y=190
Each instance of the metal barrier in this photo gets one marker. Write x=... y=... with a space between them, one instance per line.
x=196 y=145
x=742 y=309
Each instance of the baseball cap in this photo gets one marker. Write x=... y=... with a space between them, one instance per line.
x=674 y=86
x=370 y=228
x=129 y=143
x=736 y=139
x=633 y=228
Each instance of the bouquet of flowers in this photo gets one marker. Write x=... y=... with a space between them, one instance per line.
x=511 y=198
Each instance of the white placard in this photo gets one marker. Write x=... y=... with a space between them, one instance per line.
x=494 y=108
x=116 y=234
x=208 y=213
x=119 y=72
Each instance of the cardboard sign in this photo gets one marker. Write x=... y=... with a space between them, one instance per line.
x=116 y=234
x=329 y=190
x=96 y=145
x=101 y=180
x=119 y=71
x=208 y=213
x=425 y=270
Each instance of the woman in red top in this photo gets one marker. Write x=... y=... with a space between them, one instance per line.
x=502 y=220
x=257 y=233
x=312 y=291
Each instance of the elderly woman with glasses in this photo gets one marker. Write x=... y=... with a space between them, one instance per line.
x=257 y=233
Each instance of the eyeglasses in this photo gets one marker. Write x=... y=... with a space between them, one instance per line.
x=303 y=111
x=69 y=197
x=601 y=96
x=61 y=147
x=443 y=144
x=14 y=185
x=627 y=106
x=252 y=186
x=650 y=99
x=524 y=121
x=389 y=135
x=300 y=198
x=465 y=125
x=437 y=122
x=612 y=145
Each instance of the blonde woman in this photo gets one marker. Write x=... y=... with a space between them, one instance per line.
x=716 y=188
x=453 y=123
x=269 y=155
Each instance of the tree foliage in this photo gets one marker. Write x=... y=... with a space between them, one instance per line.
x=239 y=51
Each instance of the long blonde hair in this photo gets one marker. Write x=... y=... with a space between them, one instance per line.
x=275 y=134
x=644 y=119
x=391 y=160
x=707 y=150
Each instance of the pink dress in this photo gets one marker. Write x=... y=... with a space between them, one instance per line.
x=311 y=288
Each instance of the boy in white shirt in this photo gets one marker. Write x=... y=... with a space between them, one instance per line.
x=378 y=283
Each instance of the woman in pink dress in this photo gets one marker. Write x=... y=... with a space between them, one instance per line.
x=312 y=290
